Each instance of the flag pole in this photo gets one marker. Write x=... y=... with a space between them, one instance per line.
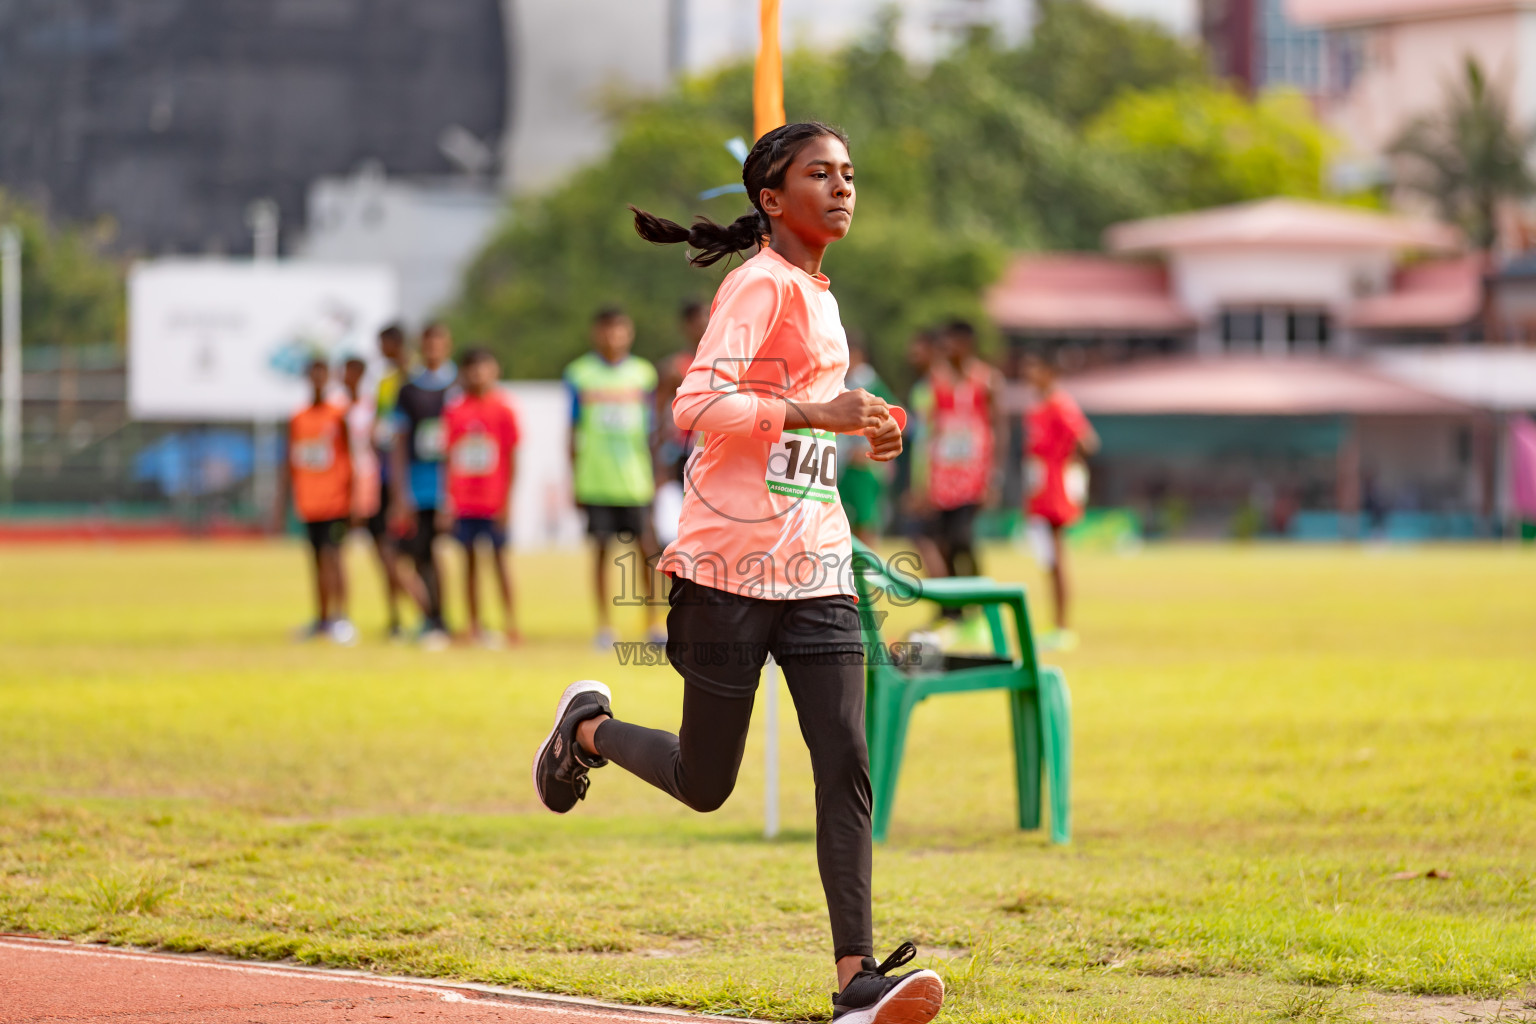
x=768 y=114
x=768 y=76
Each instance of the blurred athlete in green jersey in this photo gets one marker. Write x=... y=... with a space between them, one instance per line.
x=612 y=397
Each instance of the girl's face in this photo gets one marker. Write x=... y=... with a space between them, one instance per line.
x=816 y=200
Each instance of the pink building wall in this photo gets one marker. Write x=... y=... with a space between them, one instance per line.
x=1413 y=51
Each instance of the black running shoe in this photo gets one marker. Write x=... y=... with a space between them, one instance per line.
x=875 y=996
x=560 y=767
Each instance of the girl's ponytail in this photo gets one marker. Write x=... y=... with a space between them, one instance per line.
x=764 y=168
x=711 y=242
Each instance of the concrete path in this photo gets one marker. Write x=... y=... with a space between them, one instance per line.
x=43 y=980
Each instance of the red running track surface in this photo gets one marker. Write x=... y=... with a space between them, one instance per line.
x=61 y=982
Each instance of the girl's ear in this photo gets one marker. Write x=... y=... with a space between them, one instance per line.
x=769 y=199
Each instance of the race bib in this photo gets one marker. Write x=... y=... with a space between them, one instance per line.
x=315 y=455
x=1034 y=476
x=383 y=434
x=1075 y=480
x=429 y=440
x=956 y=444
x=803 y=464
x=618 y=417
x=473 y=455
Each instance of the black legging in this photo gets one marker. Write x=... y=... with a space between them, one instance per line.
x=957 y=540
x=420 y=548
x=698 y=766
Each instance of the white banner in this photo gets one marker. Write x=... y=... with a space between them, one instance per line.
x=229 y=340
x=543 y=512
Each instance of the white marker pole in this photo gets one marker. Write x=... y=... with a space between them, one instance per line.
x=10 y=353
x=262 y=215
x=771 y=752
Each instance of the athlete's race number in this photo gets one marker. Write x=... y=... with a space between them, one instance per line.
x=619 y=417
x=1075 y=481
x=429 y=440
x=314 y=455
x=803 y=464
x=473 y=455
x=384 y=434
x=956 y=444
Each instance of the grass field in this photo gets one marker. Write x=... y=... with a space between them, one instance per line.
x=1265 y=736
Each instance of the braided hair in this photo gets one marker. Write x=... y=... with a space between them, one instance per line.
x=765 y=167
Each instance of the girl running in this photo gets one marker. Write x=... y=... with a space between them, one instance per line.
x=762 y=561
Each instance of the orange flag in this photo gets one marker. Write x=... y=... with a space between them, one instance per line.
x=768 y=78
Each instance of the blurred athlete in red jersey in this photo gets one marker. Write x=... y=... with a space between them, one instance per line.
x=960 y=436
x=482 y=463
x=1058 y=437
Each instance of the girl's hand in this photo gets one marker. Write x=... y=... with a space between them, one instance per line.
x=852 y=412
x=884 y=440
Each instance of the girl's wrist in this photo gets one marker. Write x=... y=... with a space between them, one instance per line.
x=803 y=416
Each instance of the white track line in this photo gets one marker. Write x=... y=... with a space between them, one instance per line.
x=446 y=991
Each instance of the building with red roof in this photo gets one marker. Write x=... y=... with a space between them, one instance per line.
x=1234 y=361
x=1275 y=276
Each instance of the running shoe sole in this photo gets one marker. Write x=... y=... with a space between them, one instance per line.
x=580 y=686
x=916 y=999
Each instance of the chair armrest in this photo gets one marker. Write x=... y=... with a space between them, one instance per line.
x=954 y=591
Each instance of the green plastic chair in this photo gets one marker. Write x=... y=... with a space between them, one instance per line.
x=1038 y=700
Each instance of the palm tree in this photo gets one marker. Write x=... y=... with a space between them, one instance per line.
x=1469 y=156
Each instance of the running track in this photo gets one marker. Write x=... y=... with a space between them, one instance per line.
x=61 y=982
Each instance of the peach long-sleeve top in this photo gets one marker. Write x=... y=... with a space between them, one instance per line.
x=761 y=516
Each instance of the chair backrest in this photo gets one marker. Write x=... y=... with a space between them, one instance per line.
x=866 y=564
x=874 y=583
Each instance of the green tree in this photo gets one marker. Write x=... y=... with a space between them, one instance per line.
x=1080 y=58
x=958 y=163
x=563 y=255
x=1469 y=156
x=71 y=294
x=1194 y=146
x=1000 y=163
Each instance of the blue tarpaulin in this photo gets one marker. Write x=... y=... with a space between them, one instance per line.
x=193 y=463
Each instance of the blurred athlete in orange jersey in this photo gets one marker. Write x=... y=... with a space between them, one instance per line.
x=761 y=563
x=320 y=479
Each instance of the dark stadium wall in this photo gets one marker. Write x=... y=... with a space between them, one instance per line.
x=171 y=116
